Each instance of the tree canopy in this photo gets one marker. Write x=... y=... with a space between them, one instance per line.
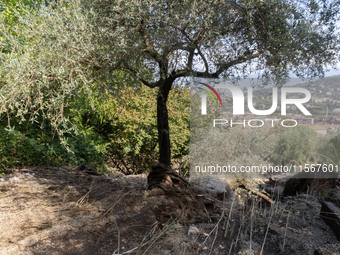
x=160 y=41
x=172 y=39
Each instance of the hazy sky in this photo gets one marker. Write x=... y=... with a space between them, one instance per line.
x=334 y=72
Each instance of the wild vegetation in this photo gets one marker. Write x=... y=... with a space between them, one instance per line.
x=56 y=55
x=118 y=132
x=92 y=86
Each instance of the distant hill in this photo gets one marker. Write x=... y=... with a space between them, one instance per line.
x=329 y=82
x=254 y=82
x=245 y=83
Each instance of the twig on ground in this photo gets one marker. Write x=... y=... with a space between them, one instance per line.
x=239 y=230
x=164 y=231
x=81 y=200
x=154 y=239
x=113 y=205
x=231 y=247
x=251 y=222
x=265 y=237
x=118 y=236
x=216 y=226
x=205 y=209
x=212 y=245
x=284 y=239
x=238 y=234
x=223 y=213
x=152 y=230
x=230 y=212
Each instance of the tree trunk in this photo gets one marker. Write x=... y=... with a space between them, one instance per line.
x=163 y=128
x=162 y=176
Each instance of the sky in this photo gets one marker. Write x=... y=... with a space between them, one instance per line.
x=333 y=72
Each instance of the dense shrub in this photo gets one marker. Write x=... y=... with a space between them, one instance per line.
x=31 y=145
x=127 y=122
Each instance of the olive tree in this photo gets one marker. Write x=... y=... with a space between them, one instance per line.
x=160 y=41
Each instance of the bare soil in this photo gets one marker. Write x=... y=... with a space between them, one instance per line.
x=72 y=210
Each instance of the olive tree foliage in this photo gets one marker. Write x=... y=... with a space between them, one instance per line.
x=40 y=75
x=11 y=12
x=77 y=43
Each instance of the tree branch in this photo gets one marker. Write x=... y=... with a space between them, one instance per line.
x=146 y=83
x=182 y=30
x=188 y=71
x=239 y=60
x=149 y=48
x=204 y=59
x=190 y=57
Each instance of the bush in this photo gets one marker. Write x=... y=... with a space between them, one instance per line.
x=132 y=133
x=296 y=146
x=31 y=146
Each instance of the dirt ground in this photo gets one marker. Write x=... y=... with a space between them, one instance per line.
x=73 y=210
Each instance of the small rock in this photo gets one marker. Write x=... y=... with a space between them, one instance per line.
x=14 y=180
x=193 y=230
x=216 y=186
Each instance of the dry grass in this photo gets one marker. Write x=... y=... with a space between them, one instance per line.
x=67 y=212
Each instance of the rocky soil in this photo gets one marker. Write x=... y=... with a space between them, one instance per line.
x=74 y=210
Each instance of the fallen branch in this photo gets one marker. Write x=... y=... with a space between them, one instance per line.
x=255 y=192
